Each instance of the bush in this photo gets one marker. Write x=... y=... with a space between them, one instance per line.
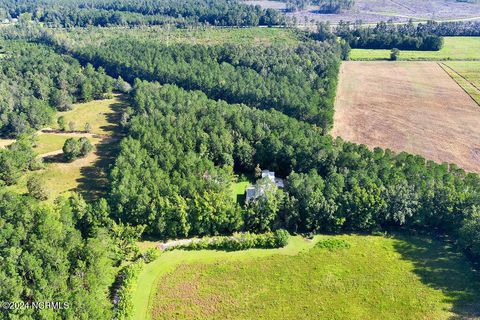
x=394 y=54
x=240 y=241
x=124 y=295
x=151 y=255
x=332 y=244
x=36 y=189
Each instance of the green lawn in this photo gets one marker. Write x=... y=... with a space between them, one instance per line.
x=376 y=278
x=467 y=75
x=238 y=190
x=455 y=48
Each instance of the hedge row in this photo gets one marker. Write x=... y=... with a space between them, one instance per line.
x=239 y=241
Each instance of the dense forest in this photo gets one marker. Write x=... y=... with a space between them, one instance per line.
x=299 y=81
x=111 y=12
x=35 y=81
x=388 y=36
x=175 y=169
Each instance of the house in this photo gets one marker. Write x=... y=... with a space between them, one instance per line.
x=253 y=192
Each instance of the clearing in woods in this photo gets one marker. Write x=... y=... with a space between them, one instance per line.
x=408 y=106
x=86 y=175
x=400 y=277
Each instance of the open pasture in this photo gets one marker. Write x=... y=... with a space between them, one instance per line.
x=455 y=48
x=408 y=106
x=403 y=277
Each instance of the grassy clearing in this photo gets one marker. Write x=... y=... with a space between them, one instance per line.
x=204 y=35
x=50 y=142
x=467 y=75
x=375 y=278
x=86 y=175
x=97 y=113
x=455 y=48
x=238 y=190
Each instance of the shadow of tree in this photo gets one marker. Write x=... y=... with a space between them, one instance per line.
x=442 y=267
x=94 y=182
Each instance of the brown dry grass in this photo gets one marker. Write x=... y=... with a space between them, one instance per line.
x=408 y=106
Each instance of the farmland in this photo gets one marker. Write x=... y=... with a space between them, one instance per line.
x=373 y=11
x=403 y=277
x=455 y=48
x=423 y=111
x=467 y=75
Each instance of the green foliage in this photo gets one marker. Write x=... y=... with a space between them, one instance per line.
x=124 y=294
x=36 y=188
x=239 y=241
x=394 y=54
x=74 y=148
x=35 y=81
x=299 y=81
x=333 y=244
x=151 y=255
x=16 y=159
x=61 y=123
x=44 y=258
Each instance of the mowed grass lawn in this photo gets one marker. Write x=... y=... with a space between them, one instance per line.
x=455 y=48
x=404 y=277
x=467 y=75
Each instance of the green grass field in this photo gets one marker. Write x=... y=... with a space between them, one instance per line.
x=205 y=35
x=376 y=278
x=455 y=48
x=238 y=190
x=467 y=75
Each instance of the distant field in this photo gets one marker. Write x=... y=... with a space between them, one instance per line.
x=455 y=48
x=467 y=75
x=376 y=278
x=373 y=11
x=205 y=35
x=408 y=106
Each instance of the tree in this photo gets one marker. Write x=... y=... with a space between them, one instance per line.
x=88 y=127
x=36 y=188
x=71 y=149
x=262 y=211
x=71 y=125
x=394 y=54
x=61 y=123
x=85 y=146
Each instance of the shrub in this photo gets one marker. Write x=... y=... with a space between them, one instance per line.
x=239 y=241
x=124 y=295
x=36 y=189
x=394 y=54
x=332 y=244
x=151 y=255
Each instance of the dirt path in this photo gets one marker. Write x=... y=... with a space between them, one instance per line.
x=408 y=106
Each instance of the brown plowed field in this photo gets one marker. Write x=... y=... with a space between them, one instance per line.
x=408 y=106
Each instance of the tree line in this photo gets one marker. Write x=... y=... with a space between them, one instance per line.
x=388 y=36
x=35 y=81
x=297 y=80
x=112 y=12
x=174 y=172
